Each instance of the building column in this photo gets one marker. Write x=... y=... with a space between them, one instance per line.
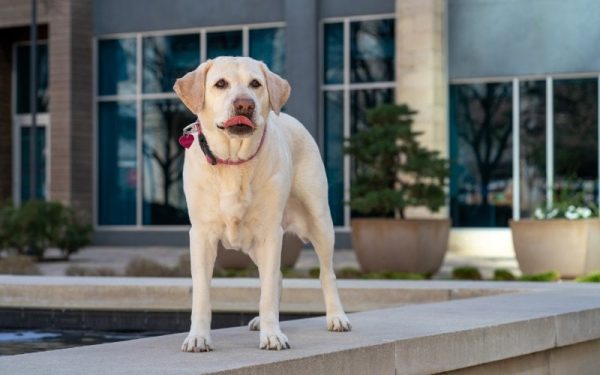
x=302 y=64
x=421 y=73
x=71 y=130
x=421 y=79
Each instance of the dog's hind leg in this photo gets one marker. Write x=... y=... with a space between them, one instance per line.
x=321 y=235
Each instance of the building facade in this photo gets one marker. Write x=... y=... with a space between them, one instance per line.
x=507 y=90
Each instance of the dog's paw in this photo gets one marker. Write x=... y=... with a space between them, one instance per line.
x=338 y=323
x=254 y=324
x=274 y=340
x=197 y=343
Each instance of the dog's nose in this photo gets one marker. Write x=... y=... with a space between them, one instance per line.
x=244 y=106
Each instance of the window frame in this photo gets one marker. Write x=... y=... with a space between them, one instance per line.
x=23 y=120
x=346 y=87
x=139 y=98
x=516 y=168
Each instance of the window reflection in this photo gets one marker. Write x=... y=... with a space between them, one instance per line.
x=576 y=138
x=532 y=137
x=23 y=82
x=268 y=46
x=167 y=58
x=41 y=191
x=116 y=66
x=228 y=43
x=334 y=53
x=164 y=201
x=117 y=163
x=481 y=152
x=334 y=153
x=372 y=51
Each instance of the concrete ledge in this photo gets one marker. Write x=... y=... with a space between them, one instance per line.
x=229 y=295
x=414 y=339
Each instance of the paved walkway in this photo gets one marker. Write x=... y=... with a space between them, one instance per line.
x=118 y=257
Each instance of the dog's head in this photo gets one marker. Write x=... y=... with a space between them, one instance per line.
x=233 y=94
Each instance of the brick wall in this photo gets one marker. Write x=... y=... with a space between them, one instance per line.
x=70 y=60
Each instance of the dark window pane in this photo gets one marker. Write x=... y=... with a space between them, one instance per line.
x=481 y=154
x=532 y=137
x=23 y=81
x=228 y=43
x=116 y=66
x=576 y=138
x=167 y=58
x=334 y=152
x=40 y=171
x=372 y=51
x=334 y=53
x=268 y=46
x=363 y=100
x=360 y=102
x=117 y=163
x=164 y=201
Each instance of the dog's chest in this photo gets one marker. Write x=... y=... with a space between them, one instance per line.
x=235 y=197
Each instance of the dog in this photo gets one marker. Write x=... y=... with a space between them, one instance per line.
x=250 y=174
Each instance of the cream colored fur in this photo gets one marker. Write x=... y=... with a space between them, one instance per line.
x=249 y=206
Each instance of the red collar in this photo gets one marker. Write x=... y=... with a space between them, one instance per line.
x=187 y=139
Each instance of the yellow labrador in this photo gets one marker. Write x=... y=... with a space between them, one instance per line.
x=250 y=174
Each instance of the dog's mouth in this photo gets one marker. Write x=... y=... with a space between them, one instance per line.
x=238 y=125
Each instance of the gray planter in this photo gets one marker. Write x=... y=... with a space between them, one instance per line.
x=400 y=245
x=571 y=247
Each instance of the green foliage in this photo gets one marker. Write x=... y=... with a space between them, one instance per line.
x=546 y=276
x=591 y=277
x=36 y=225
x=567 y=204
x=144 y=267
x=393 y=171
x=90 y=271
x=466 y=273
x=503 y=275
x=18 y=265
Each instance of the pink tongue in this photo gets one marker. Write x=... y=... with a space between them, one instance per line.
x=239 y=120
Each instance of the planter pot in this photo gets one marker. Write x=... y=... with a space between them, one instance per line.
x=400 y=245
x=571 y=247
x=233 y=259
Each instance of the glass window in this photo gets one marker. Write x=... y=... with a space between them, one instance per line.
x=167 y=58
x=164 y=201
x=228 y=43
x=334 y=152
x=117 y=163
x=334 y=53
x=576 y=138
x=372 y=50
x=532 y=138
x=363 y=100
x=40 y=173
x=22 y=94
x=481 y=154
x=268 y=46
x=116 y=66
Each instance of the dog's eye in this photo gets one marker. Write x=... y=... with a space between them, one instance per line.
x=255 y=84
x=221 y=84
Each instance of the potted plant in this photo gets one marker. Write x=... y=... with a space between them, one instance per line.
x=392 y=172
x=564 y=238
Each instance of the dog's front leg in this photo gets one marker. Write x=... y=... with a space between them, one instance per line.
x=203 y=252
x=269 y=263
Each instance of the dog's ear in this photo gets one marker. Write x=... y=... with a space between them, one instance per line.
x=279 y=89
x=190 y=88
